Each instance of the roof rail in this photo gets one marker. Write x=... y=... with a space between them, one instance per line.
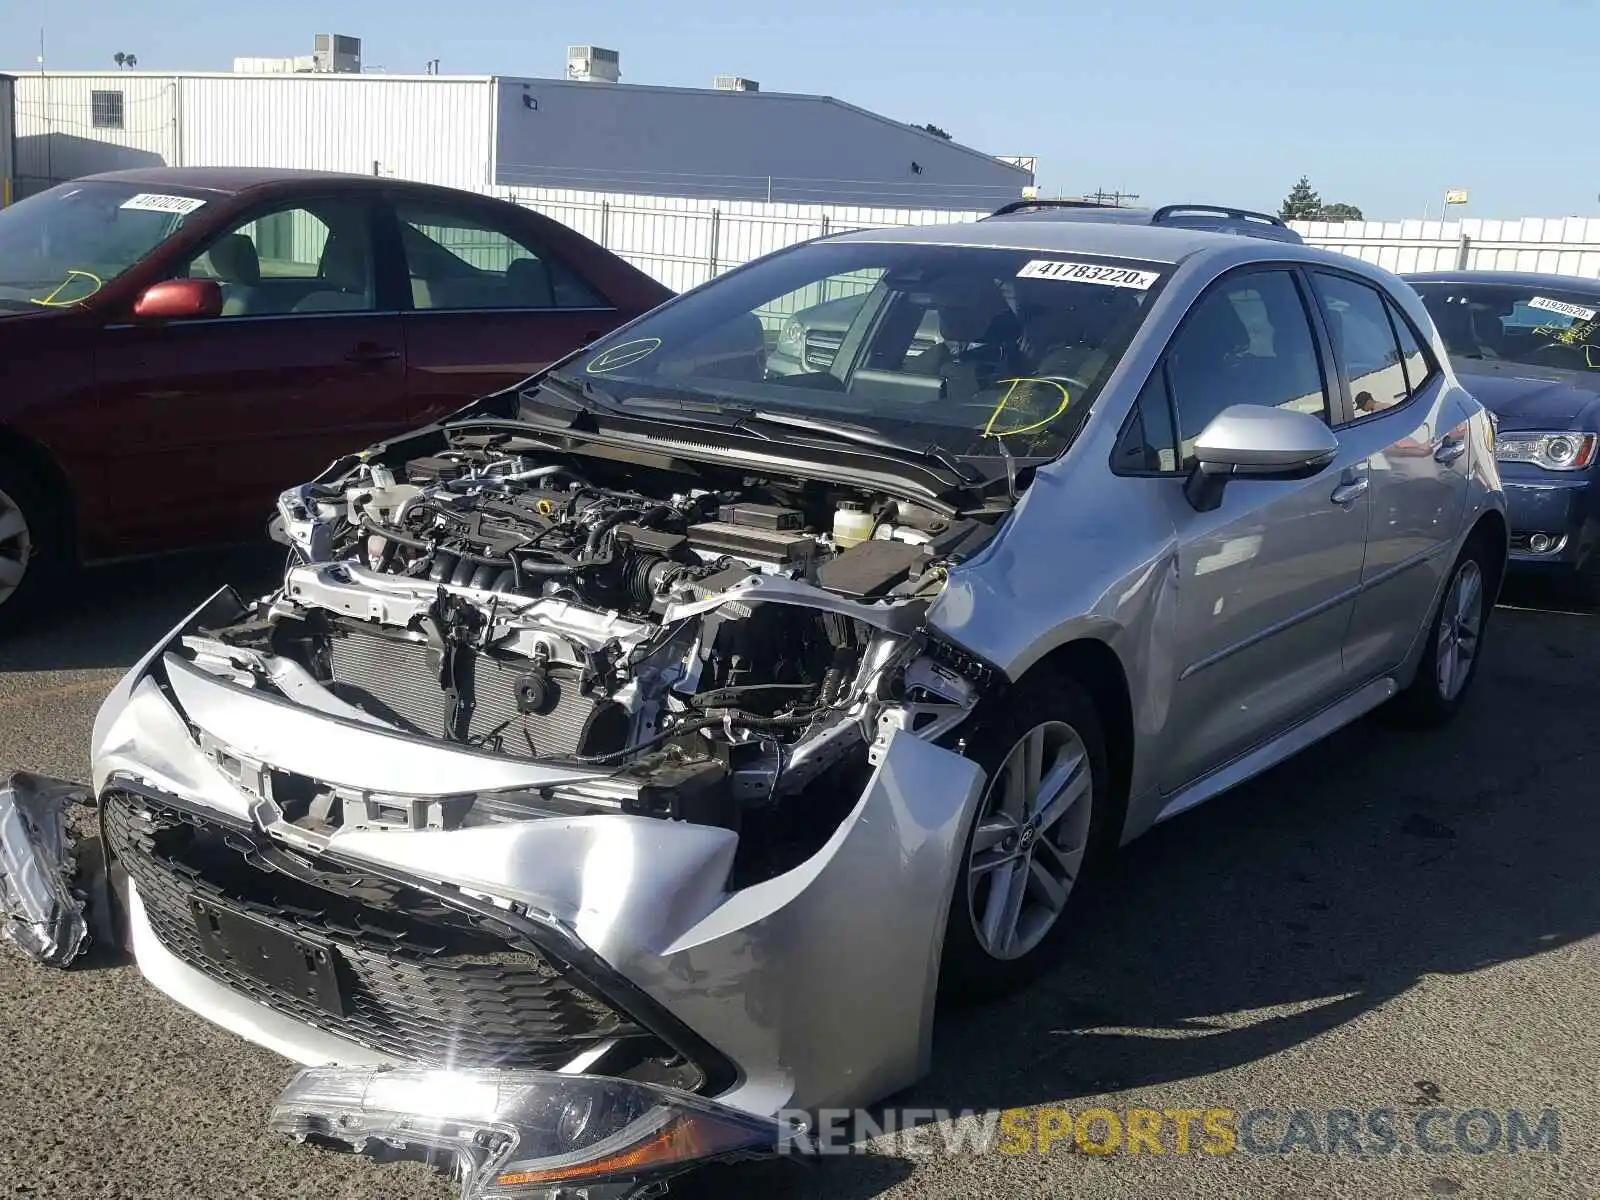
x=1238 y=214
x=1020 y=205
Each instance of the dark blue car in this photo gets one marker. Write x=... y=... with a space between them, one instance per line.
x=1528 y=346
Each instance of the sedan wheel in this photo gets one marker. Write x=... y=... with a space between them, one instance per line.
x=16 y=546
x=1460 y=625
x=1030 y=840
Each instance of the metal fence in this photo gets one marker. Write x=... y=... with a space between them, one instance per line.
x=685 y=242
x=1557 y=246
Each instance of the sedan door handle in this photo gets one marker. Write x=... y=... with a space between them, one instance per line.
x=371 y=354
x=1348 y=493
x=1449 y=450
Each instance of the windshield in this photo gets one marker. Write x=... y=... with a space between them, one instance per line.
x=1533 y=325
x=975 y=350
x=62 y=246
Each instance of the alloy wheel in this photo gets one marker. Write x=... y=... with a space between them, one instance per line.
x=16 y=546
x=1460 y=626
x=1033 y=830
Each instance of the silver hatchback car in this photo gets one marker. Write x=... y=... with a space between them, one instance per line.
x=638 y=754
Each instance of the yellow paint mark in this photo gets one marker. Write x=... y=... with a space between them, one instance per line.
x=50 y=301
x=1066 y=399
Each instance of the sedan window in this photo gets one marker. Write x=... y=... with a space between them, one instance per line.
x=459 y=261
x=299 y=259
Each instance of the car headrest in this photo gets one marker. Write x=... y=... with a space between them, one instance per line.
x=974 y=312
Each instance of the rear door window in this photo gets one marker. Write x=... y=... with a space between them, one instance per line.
x=1364 y=342
x=457 y=260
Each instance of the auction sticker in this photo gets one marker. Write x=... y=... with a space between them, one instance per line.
x=156 y=202
x=1576 y=311
x=1076 y=272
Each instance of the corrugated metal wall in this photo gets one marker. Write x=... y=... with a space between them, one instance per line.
x=1558 y=245
x=436 y=130
x=685 y=242
x=7 y=140
x=70 y=125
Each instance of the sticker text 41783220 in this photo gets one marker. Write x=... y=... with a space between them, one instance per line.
x=1077 y=272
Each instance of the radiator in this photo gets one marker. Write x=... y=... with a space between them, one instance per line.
x=395 y=677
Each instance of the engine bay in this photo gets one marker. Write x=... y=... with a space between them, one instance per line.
x=707 y=644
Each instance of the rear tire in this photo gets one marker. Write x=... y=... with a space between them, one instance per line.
x=1038 y=837
x=1455 y=644
x=30 y=553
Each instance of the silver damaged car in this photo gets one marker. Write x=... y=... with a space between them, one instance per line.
x=640 y=754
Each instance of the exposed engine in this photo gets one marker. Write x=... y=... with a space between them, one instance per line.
x=708 y=649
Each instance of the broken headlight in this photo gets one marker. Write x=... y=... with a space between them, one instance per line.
x=517 y=1134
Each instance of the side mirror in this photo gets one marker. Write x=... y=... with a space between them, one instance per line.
x=179 y=299
x=1254 y=441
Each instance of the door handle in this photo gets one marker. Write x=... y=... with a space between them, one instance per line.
x=1449 y=450
x=1348 y=493
x=369 y=353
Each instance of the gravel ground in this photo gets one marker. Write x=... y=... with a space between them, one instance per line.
x=1391 y=921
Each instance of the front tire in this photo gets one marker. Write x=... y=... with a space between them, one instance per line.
x=1455 y=644
x=1040 y=831
x=26 y=554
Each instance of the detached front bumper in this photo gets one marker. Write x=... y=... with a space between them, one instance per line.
x=575 y=944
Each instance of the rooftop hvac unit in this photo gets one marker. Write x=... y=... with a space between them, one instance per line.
x=591 y=64
x=735 y=83
x=333 y=52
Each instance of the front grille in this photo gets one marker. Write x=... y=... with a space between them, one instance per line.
x=821 y=348
x=422 y=981
x=395 y=678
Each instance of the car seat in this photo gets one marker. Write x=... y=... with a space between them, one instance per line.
x=344 y=267
x=237 y=267
x=980 y=340
x=528 y=284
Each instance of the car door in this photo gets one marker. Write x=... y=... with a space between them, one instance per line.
x=305 y=363
x=1408 y=438
x=1267 y=581
x=488 y=305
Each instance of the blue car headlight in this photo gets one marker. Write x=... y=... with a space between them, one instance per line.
x=1552 y=451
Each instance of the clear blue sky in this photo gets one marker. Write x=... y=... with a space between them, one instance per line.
x=1383 y=104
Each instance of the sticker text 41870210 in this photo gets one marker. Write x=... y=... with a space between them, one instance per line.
x=1077 y=272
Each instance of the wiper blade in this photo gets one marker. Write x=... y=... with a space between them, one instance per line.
x=865 y=435
x=721 y=415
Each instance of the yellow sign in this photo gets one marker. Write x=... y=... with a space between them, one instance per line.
x=1456 y=197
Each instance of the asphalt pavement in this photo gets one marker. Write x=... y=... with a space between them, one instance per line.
x=1402 y=922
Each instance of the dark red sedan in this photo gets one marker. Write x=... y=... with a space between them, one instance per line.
x=179 y=345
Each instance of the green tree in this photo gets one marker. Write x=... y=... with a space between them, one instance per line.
x=935 y=130
x=1338 y=212
x=1302 y=202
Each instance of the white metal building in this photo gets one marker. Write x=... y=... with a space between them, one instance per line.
x=684 y=181
x=483 y=131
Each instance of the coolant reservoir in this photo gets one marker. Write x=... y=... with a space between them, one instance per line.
x=852 y=524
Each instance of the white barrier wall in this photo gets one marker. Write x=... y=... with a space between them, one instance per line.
x=1554 y=245
x=684 y=242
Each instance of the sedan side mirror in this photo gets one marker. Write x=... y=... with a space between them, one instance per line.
x=1256 y=442
x=179 y=299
